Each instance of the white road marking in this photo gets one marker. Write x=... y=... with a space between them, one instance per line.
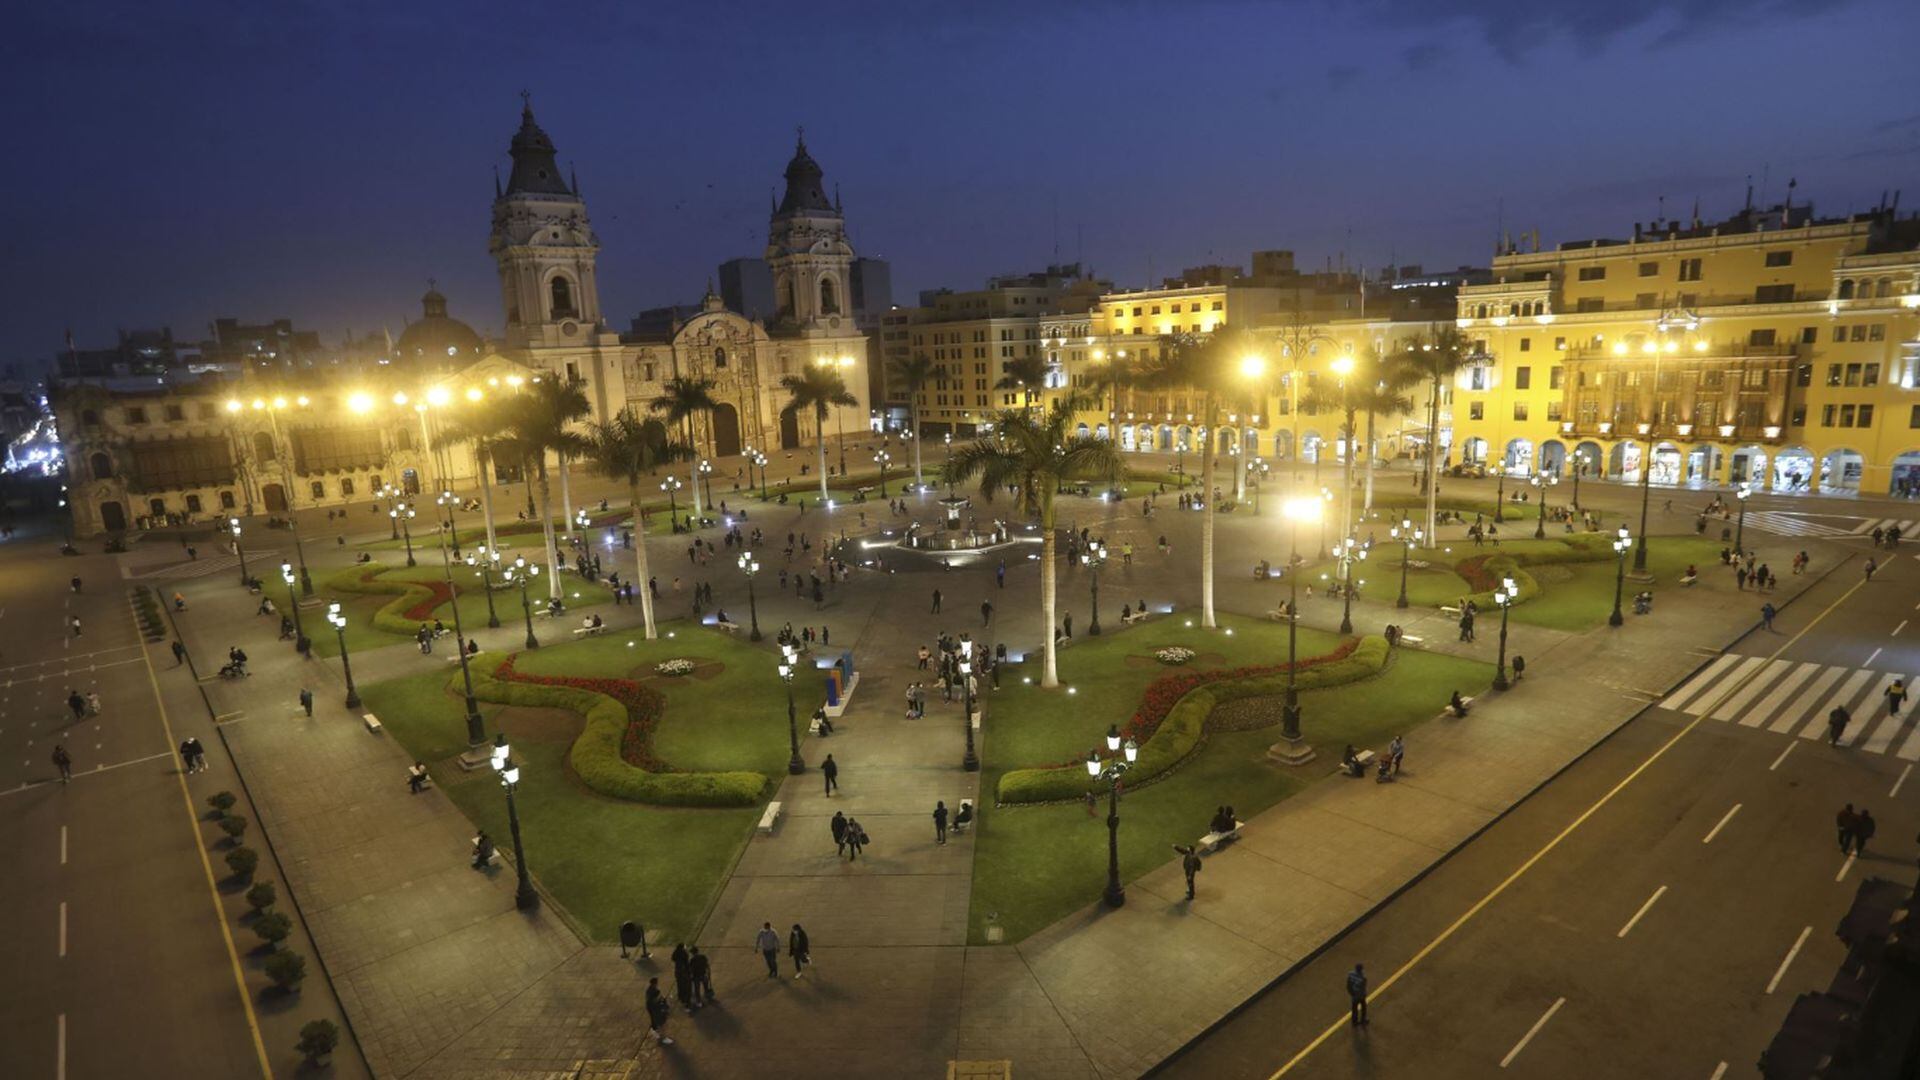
x=1657 y=894
x=1719 y=1071
x=1871 y=657
x=63 y=845
x=1699 y=682
x=1748 y=666
x=1535 y=1030
x=96 y=769
x=60 y=1051
x=63 y=928
x=1902 y=780
x=1844 y=867
x=1759 y=713
x=1782 y=757
x=1897 y=629
x=1723 y=821
x=1791 y=953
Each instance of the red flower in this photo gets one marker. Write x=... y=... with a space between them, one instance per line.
x=644 y=706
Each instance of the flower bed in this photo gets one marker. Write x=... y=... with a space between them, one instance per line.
x=674 y=667
x=414 y=604
x=1174 y=655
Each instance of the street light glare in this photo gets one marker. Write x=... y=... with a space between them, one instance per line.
x=1301 y=509
x=360 y=403
x=1342 y=365
x=1253 y=367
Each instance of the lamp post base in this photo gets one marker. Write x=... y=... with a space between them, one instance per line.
x=1114 y=896
x=1615 y=619
x=479 y=756
x=1290 y=750
x=1500 y=680
x=795 y=766
x=526 y=899
x=353 y=699
x=1400 y=603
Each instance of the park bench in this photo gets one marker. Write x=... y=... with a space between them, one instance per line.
x=1277 y=614
x=1448 y=710
x=1411 y=639
x=493 y=857
x=372 y=722
x=1450 y=609
x=1365 y=759
x=962 y=826
x=1133 y=617
x=1689 y=579
x=769 y=816
x=455 y=658
x=729 y=626
x=589 y=631
x=1211 y=842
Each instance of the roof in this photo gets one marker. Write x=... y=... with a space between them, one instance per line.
x=534 y=169
x=804 y=193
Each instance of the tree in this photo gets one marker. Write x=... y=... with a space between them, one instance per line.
x=1433 y=359
x=1213 y=368
x=537 y=419
x=1035 y=455
x=1118 y=373
x=480 y=426
x=1027 y=374
x=912 y=374
x=1383 y=393
x=818 y=389
x=682 y=398
x=625 y=448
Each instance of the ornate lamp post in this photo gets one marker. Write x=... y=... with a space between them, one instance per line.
x=751 y=566
x=1541 y=481
x=948 y=439
x=706 y=480
x=1348 y=552
x=1094 y=557
x=789 y=660
x=524 y=572
x=671 y=485
x=882 y=459
x=1506 y=596
x=300 y=642
x=1740 y=532
x=476 y=730
x=487 y=560
x=339 y=624
x=1408 y=535
x=1579 y=466
x=240 y=549
x=1646 y=493
x=1621 y=543
x=1260 y=467
x=971 y=763
x=403 y=513
x=447 y=501
x=1292 y=748
x=1110 y=771
x=390 y=494
x=1326 y=495
x=524 y=897
x=760 y=460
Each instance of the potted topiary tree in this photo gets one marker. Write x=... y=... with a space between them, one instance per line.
x=273 y=928
x=235 y=826
x=221 y=803
x=261 y=897
x=241 y=861
x=317 y=1040
x=286 y=969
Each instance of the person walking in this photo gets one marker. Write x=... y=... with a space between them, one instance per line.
x=856 y=839
x=701 y=968
x=1896 y=697
x=799 y=949
x=839 y=826
x=831 y=771
x=683 y=976
x=1000 y=574
x=306 y=701
x=1519 y=667
x=768 y=943
x=186 y=756
x=179 y=654
x=1871 y=567
x=1466 y=625
x=1766 y=617
x=199 y=753
x=1357 y=994
x=1837 y=724
x=986 y=613
x=940 y=822
x=64 y=762
x=76 y=703
x=1189 y=864
x=936 y=602
x=1862 y=832
x=657 y=1012
x=1396 y=750
x=1740 y=578
x=1846 y=820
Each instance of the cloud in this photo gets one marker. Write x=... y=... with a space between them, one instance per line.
x=1513 y=27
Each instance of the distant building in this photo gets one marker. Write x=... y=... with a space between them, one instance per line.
x=872 y=287
x=747 y=287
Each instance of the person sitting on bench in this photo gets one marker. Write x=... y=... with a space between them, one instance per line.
x=1221 y=823
x=266 y=605
x=482 y=850
x=439 y=629
x=417 y=777
x=1126 y=614
x=1350 y=761
x=822 y=722
x=594 y=622
x=964 y=818
x=1690 y=576
x=473 y=647
x=720 y=617
x=1458 y=704
x=1392 y=634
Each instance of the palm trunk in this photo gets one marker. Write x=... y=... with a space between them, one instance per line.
x=1433 y=448
x=1210 y=412
x=1050 y=672
x=640 y=557
x=820 y=440
x=1368 y=504
x=485 y=459
x=693 y=471
x=566 y=497
x=918 y=480
x=546 y=528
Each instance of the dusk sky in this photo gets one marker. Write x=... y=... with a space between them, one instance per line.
x=170 y=163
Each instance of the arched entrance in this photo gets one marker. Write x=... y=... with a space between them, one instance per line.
x=1793 y=469
x=1748 y=465
x=1703 y=464
x=1184 y=439
x=1310 y=446
x=1083 y=430
x=789 y=430
x=275 y=497
x=1840 y=470
x=113 y=516
x=1623 y=462
x=1553 y=457
x=1126 y=438
x=409 y=483
x=1473 y=451
x=1588 y=459
x=1162 y=441
x=726 y=430
x=1101 y=432
x=1906 y=475
x=1666 y=464
x=1283 y=444
x=1517 y=460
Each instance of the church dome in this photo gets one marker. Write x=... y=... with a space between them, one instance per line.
x=804 y=194
x=437 y=337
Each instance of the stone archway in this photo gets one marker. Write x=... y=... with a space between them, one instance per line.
x=1793 y=469
x=1668 y=464
x=726 y=430
x=1589 y=459
x=113 y=516
x=1517 y=459
x=1905 y=481
x=1840 y=470
x=1553 y=457
x=275 y=497
x=790 y=430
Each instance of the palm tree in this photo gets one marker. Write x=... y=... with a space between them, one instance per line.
x=682 y=398
x=1036 y=455
x=1027 y=374
x=820 y=389
x=1117 y=374
x=1382 y=392
x=1209 y=366
x=1434 y=359
x=624 y=448
x=913 y=373
x=479 y=426
x=537 y=418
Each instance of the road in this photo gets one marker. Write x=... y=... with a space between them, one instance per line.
x=1654 y=910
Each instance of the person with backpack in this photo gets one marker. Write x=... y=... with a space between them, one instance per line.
x=799 y=949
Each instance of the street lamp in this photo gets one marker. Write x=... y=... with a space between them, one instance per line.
x=970 y=763
x=272 y=409
x=1408 y=535
x=300 y=642
x=403 y=513
x=1541 y=481
x=240 y=549
x=1110 y=771
x=1348 y=552
x=751 y=566
x=339 y=624
x=1093 y=557
x=706 y=481
x=524 y=898
x=1646 y=493
x=1621 y=543
x=389 y=493
x=789 y=660
x=1740 y=532
x=1292 y=748
x=882 y=459
x=476 y=730
x=447 y=501
x=523 y=572
x=486 y=559
x=760 y=459
x=1261 y=467
x=1506 y=596
x=949 y=470
x=1326 y=495
x=1579 y=466
x=671 y=485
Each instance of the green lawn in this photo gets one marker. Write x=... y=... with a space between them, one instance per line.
x=471 y=597
x=1036 y=864
x=604 y=859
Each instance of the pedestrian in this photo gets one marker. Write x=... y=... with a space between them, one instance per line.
x=768 y=943
x=179 y=654
x=1896 y=697
x=856 y=839
x=940 y=822
x=832 y=772
x=1862 y=832
x=64 y=762
x=74 y=620
x=1466 y=626
x=1766 y=618
x=1846 y=820
x=1871 y=567
x=186 y=756
x=1396 y=750
x=1519 y=667
x=936 y=602
x=1189 y=864
x=798 y=948
x=1740 y=578
x=839 y=827
x=925 y=656
x=1837 y=724
x=702 y=969
x=199 y=753
x=1066 y=624
x=657 y=1012
x=77 y=703
x=683 y=976
x=986 y=613
x=1357 y=994
x=1000 y=574
x=482 y=850
x=306 y=701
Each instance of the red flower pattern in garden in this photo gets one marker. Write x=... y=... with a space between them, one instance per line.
x=437 y=593
x=1478 y=578
x=644 y=706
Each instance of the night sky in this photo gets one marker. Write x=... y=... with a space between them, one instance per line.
x=169 y=163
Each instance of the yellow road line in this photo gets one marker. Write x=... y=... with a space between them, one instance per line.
x=1481 y=904
x=213 y=889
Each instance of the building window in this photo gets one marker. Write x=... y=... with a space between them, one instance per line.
x=1779 y=258
x=1477 y=410
x=1853 y=375
x=318 y=489
x=175 y=414
x=719 y=358
x=136 y=415
x=1773 y=294
x=1554 y=376
x=1477 y=378
x=1519 y=410
x=1219 y=305
x=829 y=297
x=1136 y=312
x=226 y=500
x=1523 y=378
x=346 y=487
x=1593 y=273
x=1760 y=337
x=102 y=465
x=1689 y=269
x=1553 y=411
x=561 y=296
x=1587 y=305
x=1526 y=344
x=1799 y=417
x=1913 y=418
x=1826 y=415
x=1858 y=333
x=1865 y=418
x=193 y=504
x=1643 y=300
x=1846 y=416
x=1559 y=344
x=1870 y=376
x=1877 y=332
x=1803 y=375
x=1649 y=269
x=1833 y=374
x=1809 y=335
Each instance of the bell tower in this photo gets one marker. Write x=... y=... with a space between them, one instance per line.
x=544 y=246
x=808 y=253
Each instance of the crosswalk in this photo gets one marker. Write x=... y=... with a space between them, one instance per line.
x=1793 y=697
x=1883 y=524
x=1788 y=523
x=257 y=562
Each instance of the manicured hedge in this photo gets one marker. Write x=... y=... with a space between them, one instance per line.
x=613 y=726
x=1483 y=572
x=1174 y=735
x=414 y=603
